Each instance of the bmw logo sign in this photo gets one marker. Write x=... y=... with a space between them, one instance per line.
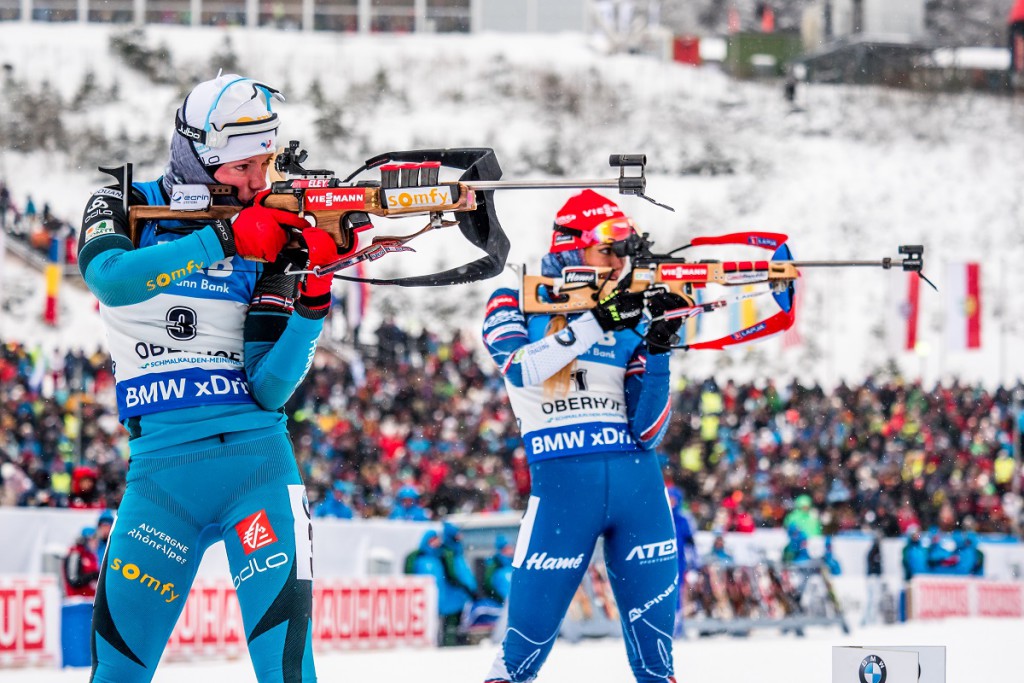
x=872 y=670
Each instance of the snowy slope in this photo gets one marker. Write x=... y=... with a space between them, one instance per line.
x=977 y=651
x=854 y=174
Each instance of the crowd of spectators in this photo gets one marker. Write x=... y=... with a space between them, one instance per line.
x=885 y=455
x=421 y=415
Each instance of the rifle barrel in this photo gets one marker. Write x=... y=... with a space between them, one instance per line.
x=884 y=263
x=540 y=184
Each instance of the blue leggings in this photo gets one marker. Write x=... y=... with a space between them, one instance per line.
x=244 y=490
x=573 y=501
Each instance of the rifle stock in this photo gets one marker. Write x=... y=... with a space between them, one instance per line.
x=337 y=203
x=408 y=185
x=583 y=293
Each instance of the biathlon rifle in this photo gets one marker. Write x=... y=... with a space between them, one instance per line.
x=409 y=185
x=582 y=287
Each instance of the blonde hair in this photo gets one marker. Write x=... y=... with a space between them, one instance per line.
x=558 y=383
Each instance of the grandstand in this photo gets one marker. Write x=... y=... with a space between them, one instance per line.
x=431 y=414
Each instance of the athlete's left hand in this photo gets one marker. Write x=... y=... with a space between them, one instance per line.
x=661 y=336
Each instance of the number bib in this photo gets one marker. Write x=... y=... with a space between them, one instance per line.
x=591 y=418
x=184 y=346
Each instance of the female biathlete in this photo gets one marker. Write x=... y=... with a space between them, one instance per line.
x=592 y=400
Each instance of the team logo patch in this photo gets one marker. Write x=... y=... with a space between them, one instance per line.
x=872 y=670
x=97 y=229
x=255 y=532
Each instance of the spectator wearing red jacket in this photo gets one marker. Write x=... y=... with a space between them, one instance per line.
x=84 y=494
x=81 y=566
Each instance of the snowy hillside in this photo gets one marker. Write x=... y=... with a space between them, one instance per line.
x=853 y=174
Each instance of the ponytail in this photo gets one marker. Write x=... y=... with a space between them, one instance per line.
x=558 y=383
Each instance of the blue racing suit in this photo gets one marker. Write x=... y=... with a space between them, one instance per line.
x=594 y=473
x=206 y=351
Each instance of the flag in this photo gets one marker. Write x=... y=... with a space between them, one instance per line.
x=734 y=20
x=691 y=331
x=963 y=306
x=54 y=273
x=3 y=254
x=792 y=337
x=356 y=296
x=911 y=311
x=35 y=379
x=742 y=313
x=748 y=309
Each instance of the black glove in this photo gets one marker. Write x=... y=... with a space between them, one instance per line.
x=620 y=310
x=226 y=236
x=661 y=337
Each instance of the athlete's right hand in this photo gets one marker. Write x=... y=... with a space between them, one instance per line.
x=620 y=310
x=261 y=232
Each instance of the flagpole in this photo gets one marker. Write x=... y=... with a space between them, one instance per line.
x=831 y=336
x=3 y=269
x=1002 y=320
x=943 y=331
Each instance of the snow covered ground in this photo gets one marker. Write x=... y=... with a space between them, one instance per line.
x=978 y=651
x=851 y=174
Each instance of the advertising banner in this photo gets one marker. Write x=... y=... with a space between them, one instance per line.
x=29 y=621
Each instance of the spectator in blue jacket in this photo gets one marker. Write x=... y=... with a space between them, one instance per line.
x=498 y=570
x=426 y=561
x=796 y=550
x=409 y=508
x=442 y=557
x=460 y=577
x=943 y=553
x=915 y=554
x=718 y=554
x=685 y=546
x=686 y=550
x=338 y=504
x=830 y=560
x=103 y=527
x=458 y=585
x=970 y=560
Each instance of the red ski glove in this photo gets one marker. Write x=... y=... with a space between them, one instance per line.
x=315 y=292
x=261 y=232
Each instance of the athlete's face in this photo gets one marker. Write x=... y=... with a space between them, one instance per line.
x=602 y=256
x=248 y=176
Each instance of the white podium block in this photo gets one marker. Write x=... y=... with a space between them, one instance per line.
x=873 y=665
x=931 y=659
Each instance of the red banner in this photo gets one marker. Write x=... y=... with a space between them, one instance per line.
x=964 y=306
x=934 y=597
x=29 y=621
x=379 y=612
x=913 y=310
